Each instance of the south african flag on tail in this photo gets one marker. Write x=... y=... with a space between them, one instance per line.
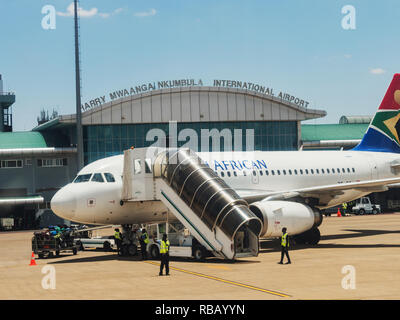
x=384 y=131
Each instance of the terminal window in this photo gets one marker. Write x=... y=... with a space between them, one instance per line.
x=102 y=141
x=4 y=164
x=57 y=162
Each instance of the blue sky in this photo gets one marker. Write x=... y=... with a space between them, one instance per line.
x=298 y=47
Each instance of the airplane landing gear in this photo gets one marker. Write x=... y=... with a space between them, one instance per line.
x=311 y=236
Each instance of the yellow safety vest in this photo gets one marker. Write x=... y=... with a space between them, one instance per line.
x=164 y=246
x=146 y=238
x=117 y=235
x=284 y=239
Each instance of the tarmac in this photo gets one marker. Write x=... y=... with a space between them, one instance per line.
x=358 y=257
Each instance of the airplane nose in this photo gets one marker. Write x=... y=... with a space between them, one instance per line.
x=63 y=203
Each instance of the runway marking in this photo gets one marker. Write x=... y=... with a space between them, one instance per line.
x=220 y=267
x=225 y=281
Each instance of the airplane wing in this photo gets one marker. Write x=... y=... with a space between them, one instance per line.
x=323 y=193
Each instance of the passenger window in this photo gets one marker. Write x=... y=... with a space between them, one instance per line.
x=301 y=171
x=333 y=170
x=323 y=171
x=279 y=172
x=222 y=174
x=295 y=171
x=327 y=171
x=138 y=166
x=261 y=173
x=83 y=178
x=234 y=173
x=290 y=172
x=306 y=171
x=273 y=172
x=343 y=170
x=254 y=173
x=284 y=172
x=348 y=170
x=97 y=177
x=266 y=172
x=317 y=171
x=354 y=170
x=312 y=171
x=109 y=177
x=228 y=173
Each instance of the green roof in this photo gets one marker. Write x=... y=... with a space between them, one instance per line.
x=316 y=132
x=23 y=139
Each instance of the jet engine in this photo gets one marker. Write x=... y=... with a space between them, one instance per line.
x=275 y=215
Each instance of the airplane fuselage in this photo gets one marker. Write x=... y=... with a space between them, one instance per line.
x=247 y=172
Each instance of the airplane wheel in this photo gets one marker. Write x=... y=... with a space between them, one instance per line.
x=314 y=236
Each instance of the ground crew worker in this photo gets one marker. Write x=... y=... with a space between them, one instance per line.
x=344 y=206
x=118 y=240
x=285 y=246
x=144 y=240
x=164 y=254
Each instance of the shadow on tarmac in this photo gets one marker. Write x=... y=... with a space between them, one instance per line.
x=138 y=258
x=266 y=246
x=271 y=245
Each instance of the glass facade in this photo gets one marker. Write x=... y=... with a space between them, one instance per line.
x=101 y=141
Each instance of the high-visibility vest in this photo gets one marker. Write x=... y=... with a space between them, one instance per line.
x=145 y=238
x=164 y=246
x=117 y=235
x=284 y=240
x=344 y=205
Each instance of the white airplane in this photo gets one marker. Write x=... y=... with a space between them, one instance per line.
x=282 y=188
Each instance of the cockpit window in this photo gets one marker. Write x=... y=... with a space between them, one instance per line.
x=97 y=177
x=109 y=177
x=147 y=163
x=83 y=178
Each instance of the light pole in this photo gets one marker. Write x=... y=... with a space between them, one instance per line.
x=79 y=133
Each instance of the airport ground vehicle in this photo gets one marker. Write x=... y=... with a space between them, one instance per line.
x=44 y=244
x=182 y=243
x=106 y=243
x=364 y=205
x=6 y=223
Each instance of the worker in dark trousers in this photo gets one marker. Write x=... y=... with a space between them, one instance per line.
x=144 y=240
x=118 y=240
x=285 y=246
x=164 y=254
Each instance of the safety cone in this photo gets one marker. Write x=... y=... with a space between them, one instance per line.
x=33 y=262
x=338 y=212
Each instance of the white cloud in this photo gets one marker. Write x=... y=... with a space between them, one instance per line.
x=377 y=71
x=87 y=13
x=151 y=12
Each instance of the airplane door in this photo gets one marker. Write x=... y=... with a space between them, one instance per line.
x=254 y=175
x=374 y=168
x=138 y=176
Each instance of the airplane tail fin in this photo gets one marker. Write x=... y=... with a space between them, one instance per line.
x=384 y=130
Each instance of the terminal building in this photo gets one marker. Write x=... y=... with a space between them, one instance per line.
x=37 y=163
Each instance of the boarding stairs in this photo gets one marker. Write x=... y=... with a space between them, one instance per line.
x=212 y=211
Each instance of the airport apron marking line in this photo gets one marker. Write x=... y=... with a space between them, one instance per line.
x=226 y=281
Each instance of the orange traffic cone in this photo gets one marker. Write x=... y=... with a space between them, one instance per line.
x=33 y=262
x=338 y=212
